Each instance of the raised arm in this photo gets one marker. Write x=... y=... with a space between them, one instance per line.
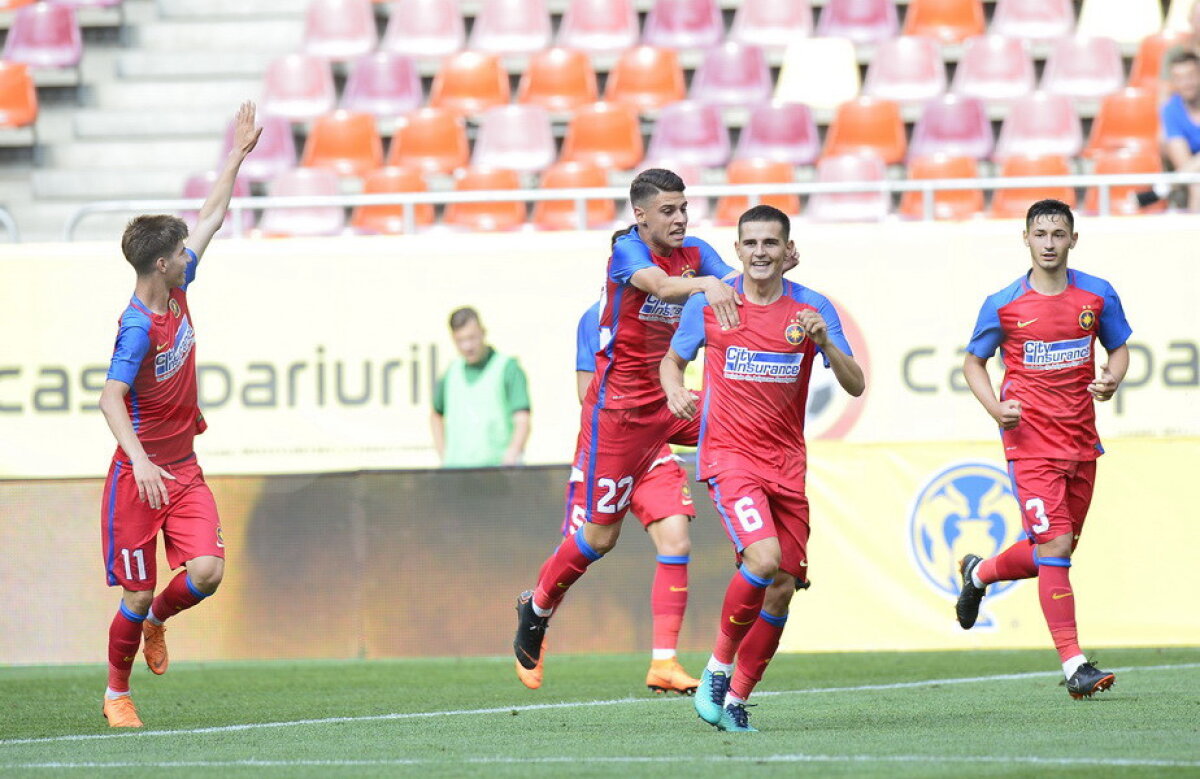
x=212 y=213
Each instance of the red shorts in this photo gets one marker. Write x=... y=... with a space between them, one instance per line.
x=1053 y=495
x=752 y=509
x=129 y=527
x=662 y=493
x=613 y=455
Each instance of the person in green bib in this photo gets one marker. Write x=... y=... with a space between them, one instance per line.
x=481 y=405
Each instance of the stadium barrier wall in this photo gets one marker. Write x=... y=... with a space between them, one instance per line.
x=413 y=563
x=320 y=355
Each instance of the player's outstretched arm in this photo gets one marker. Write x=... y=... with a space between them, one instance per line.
x=212 y=213
x=677 y=289
x=1006 y=412
x=148 y=476
x=680 y=399
x=1112 y=373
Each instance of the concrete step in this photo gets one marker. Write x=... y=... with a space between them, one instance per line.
x=220 y=35
x=220 y=95
x=94 y=124
x=218 y=9
x=109 y=183
x=159 y=153
x=163 y=65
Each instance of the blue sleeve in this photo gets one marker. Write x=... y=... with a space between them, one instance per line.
x=629 y=256
x=1113 y=329
x=833 y=326
x=1174 y=119
x=587 y=339
x=133 y=342
x=689 y=337
x=988 y=333
x=711 y=263
x=189 y=273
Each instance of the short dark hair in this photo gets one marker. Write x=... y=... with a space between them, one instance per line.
x=148 y=237
x=764 y=213
x=650 y=182
x=1182 y=57
x=461 y=317
x=1050 y=208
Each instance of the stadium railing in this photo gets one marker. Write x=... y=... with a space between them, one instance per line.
x=927 y=187
x=10 y=225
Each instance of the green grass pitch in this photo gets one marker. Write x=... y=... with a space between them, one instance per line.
x=886 y=714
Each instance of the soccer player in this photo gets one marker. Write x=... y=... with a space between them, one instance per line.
x=625 y=420
x=752 y=452
x=149 y=402
x=1045 y=324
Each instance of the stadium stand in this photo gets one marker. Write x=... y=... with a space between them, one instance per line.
x=558 y=79
x=518 y=137
x=308 y=221
x=45 y=35
x=605 y=134
x=949 y=21
x=199 y=185
x=1033 y=20
x=950 y=204
x=863 y=167
x=780 y=131
x=1146 y=70
x=647 y=78
x=1040 y=124
x=383 y=84
x=298 y=87
x=486 y=216
x=859 y=21
x=599 y=26
x=994 y=69
x=756 y=171
x=18 y=96
x=339 y=29
x=1135 y=159
x=684 y=24
x=1013 y=203
x=1126 y=118
x=953 y=125
x=867 y=124
x=274 y=154
x=733 y=74
x=833 y=58
x=1084 y=67
x=389 y=219
x=469 y=82
x=689 y=132
x=771 y=23
x=561 y=214
x=344 y=142
x=425 y=28
x=907 y=69
x=511 y=27
x=432 y=139
x=1127 y=21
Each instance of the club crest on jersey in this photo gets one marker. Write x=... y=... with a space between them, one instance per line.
x=1051 y=355
x=794 y=333
x=1087 y=319
x=688 y=273
x=657 y=310
x=742 y=364
x=173 y=307
x=168 y=363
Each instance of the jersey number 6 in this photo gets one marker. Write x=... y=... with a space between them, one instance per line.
x=748 y=515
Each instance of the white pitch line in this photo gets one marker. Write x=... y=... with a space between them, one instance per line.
x=551 y=706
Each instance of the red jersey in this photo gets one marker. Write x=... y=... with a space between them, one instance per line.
x=756 y=382
x=155 y=355
x=635 y=326
x=1046 y=344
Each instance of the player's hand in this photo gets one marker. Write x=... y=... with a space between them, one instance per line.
x=151 y=487
x=1010 y=414
x=814 y=326
x=1104 y=386
x=682 y=403
x=245 y=134
x=791 y=261
x=724 y=301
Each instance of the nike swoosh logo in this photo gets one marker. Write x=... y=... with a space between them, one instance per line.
x=1061 y=595
x=747 y=622
x=560 y=584
x=160 y=347
x=1026 y=324
x=678 y=589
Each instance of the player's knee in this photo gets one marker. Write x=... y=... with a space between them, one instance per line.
x=779 y=595
x=601 y=538
x=206 y=574
x=1060 y=546
x=138 y=602
x=762 y=562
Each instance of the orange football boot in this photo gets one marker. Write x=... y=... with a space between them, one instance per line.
x=120 y=712
x=154 y=647
x=669 y=676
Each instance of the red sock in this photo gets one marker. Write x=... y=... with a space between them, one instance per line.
x=180 y=594
x=1016 y=562
x=743 y=601
x=757 y=649
x=124 y=638
x=668 y=599
x=1058 y=605
x=563 y=569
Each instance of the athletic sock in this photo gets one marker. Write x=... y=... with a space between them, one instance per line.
x=124 y=638
x=1019 y=561
x=755 y=653
x=668 y=601
x=716 y=666
x=180 y=594
x=1071 y=665
x=1058 y=605
x=562 y=570
x=743 y=601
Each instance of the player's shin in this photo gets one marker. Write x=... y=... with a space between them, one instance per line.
x=124 y=637
x=180 y=594
x=1058 y=605
x=1019 y=561
x=743 y=602
x=562 y=570
x=756 y=651
x=668 y=601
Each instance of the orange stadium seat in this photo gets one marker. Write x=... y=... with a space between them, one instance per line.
x=1126 y=118
x=425 y=28
x=850 y=206
x=833 y=58
x=994 y=69
x=310 y=221
x=346 y=143
x=274 y=153
x=18 y=95
x=950 y=21
x=867 y=123
x=384 y=84
x=1084 y=68
x=469 y=82
x=689 y=132
x=861 y=21
x=298 y=87
x=339 y=29
x=1147 y=69
x=390 y=219
x=10 y=5
x=200 y=184
x=953 y=125
x=1013 y=203
x=1033 y=20
x=45 y=35
x=1127 y=21
x=772 y=24
x=488 y=217
x=906 y=69
x=1040 y=124
x=1131 y=160
x=599 y=26
x=558 y=79
x=684 y=24
x=561 y=214
x=733 y=74
x=780 y=131
x=518 y=137
x=947 y=204
x=432 y=139
x=511 y=27
x=756 y=171
x=646 y=78
x=604 y=134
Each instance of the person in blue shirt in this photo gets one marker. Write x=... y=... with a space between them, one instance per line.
x=1181 y=119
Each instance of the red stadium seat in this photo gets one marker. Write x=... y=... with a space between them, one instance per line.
x=558 y=79
x=18 y=96
x=684 y=24
x=955 y=126
x=383 y=84
x=561 y=214
x=511 y=27
x=424 y=28
x=867 y=124
x=1084 y=68
x=45 y=35
x=691 y=133
x=1121 y=201
x=489 y=217
x=1125 y=118
x=907 y=69
x=862 y=21
x=780 y=131
x=432 y=139
x=470 y=82
x=298 y=87
x=1033 y=20
x=344 y=142
x=646 y=78
x=604 y=134
x=733 y=74
x=517 y=137
x=950 y=21
x=1013 y=203
x=947 y=204
x=274 y=153
x=850 y=206
x=1041 y=124
x=390 y=219
x=599 y=26
x=772 y=24
x=994 y=69
x=757 y=171
x=1146 y=72
x=309 y=221
x=339 y=29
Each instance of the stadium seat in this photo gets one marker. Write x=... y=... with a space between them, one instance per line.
x=772 y=24
x=469 y=82
x=517 y=137
x=1180 y=15
x=344 y=142
x=599 y=26
x=780 y=131
x=646 y=78
x=689 y=132
x=199 y=185
x=684 y=24
x=339 y=29
x=1033 y=20
x=947 y=204
x=488 y=217
x=274 y=153
x=994 y=69
x=1084 y=68
x=867 y=123
x=949 y=21
x=561 y=214
x=511 y=27
x=558 y=79
x=383 y=84
x=390 y=219
x=1146 y=72
x=12 y=5
x=733 y=74
x=955 y=126
x=1040 y=124
x=756 y=171
x=1126 y=118
x=850 y=206
x=424 y=28
x=1013 y=203
x=861 y=21
x=45 y=35
x=906 y=69
x=306 y=221
x=432 y=139
x=1121 y=201
x=1126 y=21
x=18 y=95
x=604 y=134
x=298 y=87
x=833 y=58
